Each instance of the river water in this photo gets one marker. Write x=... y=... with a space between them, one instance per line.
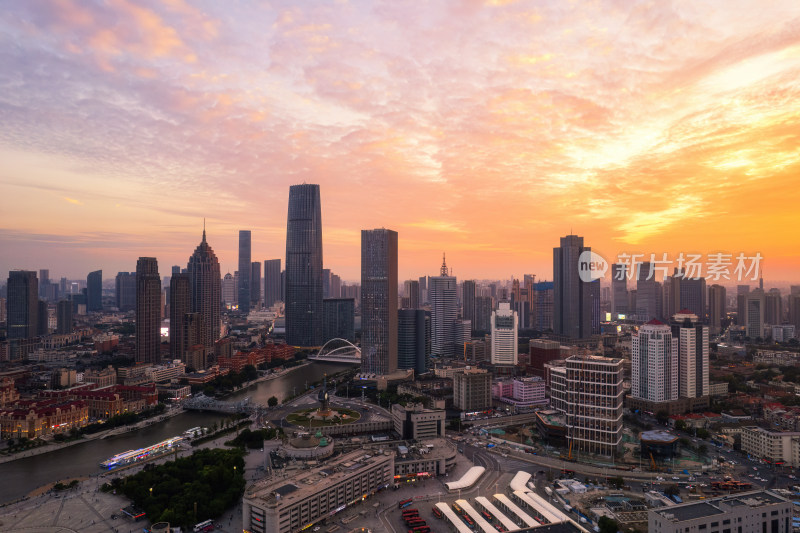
x=24 y=475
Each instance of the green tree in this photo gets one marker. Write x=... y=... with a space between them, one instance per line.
x=703 y=433
x=273 y=401
x=662 y=417
x=607 y=525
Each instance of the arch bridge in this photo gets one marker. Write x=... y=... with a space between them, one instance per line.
x=339 y=351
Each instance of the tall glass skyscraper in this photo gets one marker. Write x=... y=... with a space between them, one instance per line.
x=23 y=304
x=572 y=302
x=378 y=301
x=94 y=291
x=244 y=271
x=443 y=296
x=203 y=269
x=272 y=282
x=304 y=266
x=148 y=311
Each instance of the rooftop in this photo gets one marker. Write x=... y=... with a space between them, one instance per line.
x=691 y=511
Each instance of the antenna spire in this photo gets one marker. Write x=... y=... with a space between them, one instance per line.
x=204 y=229
x=443 y=272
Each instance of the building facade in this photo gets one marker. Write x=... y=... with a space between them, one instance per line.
x=94 y=291
x=243 y=290
x=272 y=282
x=180 y=304
x=125 y=291
x=338 y=319
x=572 y=309
x=148 y=311
x=472 y=389
x=654 y=363
x=717 y=302
x=206 y=290
x=413 y=339
x=304 y=266
x=443 y=296
x=22 y=304
x=505 y=327
x=693 y=343
x=378 y=301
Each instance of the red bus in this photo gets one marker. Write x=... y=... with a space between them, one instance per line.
x=416 y=523
x=412 y=518
x=437 y=512
x=410 y=511
x=470 y=522
x=487 y=516
x=422 y=529
x=404 y=503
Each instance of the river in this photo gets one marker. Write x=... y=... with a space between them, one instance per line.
x=22 y=476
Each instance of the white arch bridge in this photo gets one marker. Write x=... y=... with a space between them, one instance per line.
x=339 y=351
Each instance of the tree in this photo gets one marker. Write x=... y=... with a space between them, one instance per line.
x=680 y=425
x=662 y=417
x=607 y=525
x=703 y=433
x=273 y=401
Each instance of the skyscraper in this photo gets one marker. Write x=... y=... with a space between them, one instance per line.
x=22 y=304
x=228 y=289
x=794 y=312
x=338 y=319
x=243 y=287
x=44 y=281
x=304 y=266
x=754 y=313
x=654 y=363
x=125 y=285
x=378 y=301
x=572 y=304
x=205 y=287
x=64 y=317
x=717 y=299
x=326 y=283
x=692 y=338
x=773 y=307
x=542 y=312
x=94 y=291
x=411 y=294
x=741 y=304
x=148 y=311
x=442 y=293
x=180 y=303
x=647 y=299
x=483 y=314
x=468 y=301
x=693 y=297
x=413 y=339
x=505 y=324
x=619 y=289
x=255 y=284
x=272 y=282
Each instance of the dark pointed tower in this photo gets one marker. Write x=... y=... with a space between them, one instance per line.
x=206 y=291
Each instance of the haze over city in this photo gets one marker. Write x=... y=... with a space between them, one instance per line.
x=486 y=129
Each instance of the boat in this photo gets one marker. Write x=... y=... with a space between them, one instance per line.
x=142 y=454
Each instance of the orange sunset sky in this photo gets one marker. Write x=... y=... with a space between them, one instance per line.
x=486 y=129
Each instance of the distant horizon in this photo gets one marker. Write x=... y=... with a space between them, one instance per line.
x=485 y=129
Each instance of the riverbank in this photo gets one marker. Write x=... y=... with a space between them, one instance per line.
x=268 y=377
x=47 y=448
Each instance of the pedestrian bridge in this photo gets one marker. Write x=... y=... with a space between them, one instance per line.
x=338 y=351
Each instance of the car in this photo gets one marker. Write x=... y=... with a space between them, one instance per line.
x=675 y=478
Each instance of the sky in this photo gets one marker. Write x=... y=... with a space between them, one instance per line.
x=483 y=129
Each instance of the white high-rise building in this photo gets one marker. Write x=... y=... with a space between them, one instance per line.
x=692 y=354
x=505 y=323
x=443 y=294
x=654 y=365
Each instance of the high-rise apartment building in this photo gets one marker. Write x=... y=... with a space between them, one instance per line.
x=693 y=371
x=619 y=289
x=272 y=282
x=413 y=339
x=472 y=389
x=22 y=304
x=572 y=305
x=442 y=292
x=125 y=291
x=245 y=268
x=255 y=284
x=148 y=311
x=594 y=404
x=717 y=303
x=338 y=319
x=378 y=301
x=654 y=363
x=468 y=301
x=206 y=291
x=505 y=326
x=180 y=304
x=304 y=266
x=94 y=291
x=64 y=317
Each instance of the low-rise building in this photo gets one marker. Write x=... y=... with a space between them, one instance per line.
x=415 y=422
x=777 y=447
x=757 y=511
x=32 y=419
x=278 y=504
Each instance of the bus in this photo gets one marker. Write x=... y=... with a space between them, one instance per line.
x=457 y=508
x=206 y=525
x=437 y=512
x=410 y=511
x=405 y=503
x=421 y=529
x=487 y=516
x=412 y=518
x=470 y=522
x=418 y=523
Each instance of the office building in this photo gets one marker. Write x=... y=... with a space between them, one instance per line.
x=717 y=302
x=773 y=307
x=754 y=313
x=472 y=389
x=693 y=297
x=336 y=286
x=468 y=301
x=125 y=291
x=442 y=292
x=413 y=339
x=180 y=304
x=326 y=283
x=44 y=282
x=423 y=290
x=542 y=312
x=411 y=294
x=542 y=351
x=148 y=311
x=338 y=319
x=415 y=422
x=206 y=291
x=255 y=284
x=776 y=446
x=692 y=336
x=278 y=504
x=572 y=305
x=245 y=268
x=22 y=304
x=741 y=304
x=229 y=289
x=378 y=301
x=304 y=266
x=593 y=289
x=794 y=311
x=505 y=326
x=94 y=291
x=483 y=314
x=654 y=363
x=272 y=282
x=647 y=307
x=593 y=404
x=64 y=317
x=619 y=290
x=43 y=317
x=749 y=512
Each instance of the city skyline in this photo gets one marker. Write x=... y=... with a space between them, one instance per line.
x=666 y=129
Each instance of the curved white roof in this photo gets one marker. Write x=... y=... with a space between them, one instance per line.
x=480 y=521
x=468 y=479
x=514 y=508
x=519 y=481
x=495 y=512
x=453 y=518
